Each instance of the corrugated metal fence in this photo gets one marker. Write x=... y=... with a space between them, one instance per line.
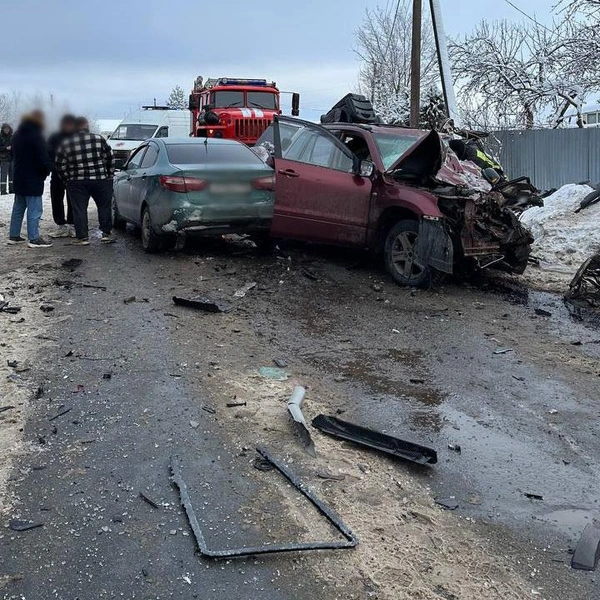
x=550 y=157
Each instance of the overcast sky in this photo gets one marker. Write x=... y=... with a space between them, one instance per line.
x=110 y=56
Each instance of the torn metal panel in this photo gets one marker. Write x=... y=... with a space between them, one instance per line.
x=205 y=303
x=434 y=245
x=585 y=286
x=350 y=539
x=376 y=440
x=587 y=552
x=295 y=408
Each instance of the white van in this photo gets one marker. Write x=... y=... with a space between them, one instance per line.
x=151 y=121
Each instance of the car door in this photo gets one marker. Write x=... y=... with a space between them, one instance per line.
x=126 y=204
x=140 y=179
x=318 y=196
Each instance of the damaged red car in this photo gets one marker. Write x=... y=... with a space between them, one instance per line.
x=391 y=190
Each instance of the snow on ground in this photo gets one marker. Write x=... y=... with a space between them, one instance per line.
x=564 y=239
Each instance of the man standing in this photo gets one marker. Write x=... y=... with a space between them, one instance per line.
x=57 y=184
x=6 y=170
x=85 y=161
x=31 y=165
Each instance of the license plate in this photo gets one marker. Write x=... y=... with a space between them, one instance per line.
x=233 y=189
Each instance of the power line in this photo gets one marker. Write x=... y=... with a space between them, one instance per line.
x=526 y=15
x=392 y=30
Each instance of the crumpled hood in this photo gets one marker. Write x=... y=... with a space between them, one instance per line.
x=431 y=159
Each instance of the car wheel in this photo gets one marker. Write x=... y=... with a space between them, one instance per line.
x=151 y=242
x=118 y=221
x=400 y=255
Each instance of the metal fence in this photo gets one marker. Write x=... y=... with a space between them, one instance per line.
x=550 y=157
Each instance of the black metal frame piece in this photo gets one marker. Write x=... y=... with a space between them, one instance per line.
x=376 y=440
x=350 y=539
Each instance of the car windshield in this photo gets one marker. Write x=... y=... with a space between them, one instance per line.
x=392 y=147
x=266 y=100
x=228 y=99
x=135 y=132
x=201 y=153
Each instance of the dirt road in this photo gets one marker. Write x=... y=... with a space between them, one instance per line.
x=144 y=380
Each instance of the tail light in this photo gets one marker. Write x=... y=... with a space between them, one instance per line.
x=264 y=183
x=182 y=184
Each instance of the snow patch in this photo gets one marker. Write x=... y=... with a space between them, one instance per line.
x=564 y=239
x=170 y=227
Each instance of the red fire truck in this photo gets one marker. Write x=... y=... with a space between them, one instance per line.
x=239 y=109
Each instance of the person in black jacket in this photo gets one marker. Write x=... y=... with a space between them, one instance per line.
x=32 y=165
x=58 y=184
x=6 y=134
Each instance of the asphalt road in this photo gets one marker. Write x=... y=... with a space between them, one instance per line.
x=428 y=366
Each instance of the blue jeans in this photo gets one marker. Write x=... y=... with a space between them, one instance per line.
x=34 y=207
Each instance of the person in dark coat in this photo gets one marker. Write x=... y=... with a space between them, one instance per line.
x=6 y=175
x=31 y=164
x=58 y=184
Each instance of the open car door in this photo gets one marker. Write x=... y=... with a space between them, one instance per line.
x=320 y=194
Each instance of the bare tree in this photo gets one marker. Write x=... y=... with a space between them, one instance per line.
x=523 y=75
x=383 y=44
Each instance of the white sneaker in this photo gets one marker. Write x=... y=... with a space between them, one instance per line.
x=61 y=232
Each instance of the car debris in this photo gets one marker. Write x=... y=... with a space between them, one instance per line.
x=205 y=303
x=281 y=363
x=46 y=307
x=72 y=263
x=236 y=404
x=542 y=313
x=350 y=540
x=261 y=464
x=585 y=286
x=587 y=552
x=295 y=409
x=149 y=500
x=244 y=290
x=19 y=525
x=447 y=503
x=331 y=476
x=68 y=284
x=455 y=448
x=60 y=414
x=533 y=496
x=274 y=373
x=5 y=408
x=503 y=351
x=376 y=440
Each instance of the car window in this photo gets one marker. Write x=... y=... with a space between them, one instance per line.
x=150 y=156
x=136 y=158
x=228 y=99
x=162 y=132
x=133 y=131
x=313 y=148
x=392 y=147
x=211 y=153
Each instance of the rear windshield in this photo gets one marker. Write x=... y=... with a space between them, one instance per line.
x=200 y=153
x=392 y=147
x=135 y=131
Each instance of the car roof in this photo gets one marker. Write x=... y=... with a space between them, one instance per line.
x=194 y=140
x=375 y=127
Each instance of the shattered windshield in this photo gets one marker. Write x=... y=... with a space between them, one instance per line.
x=393 y=146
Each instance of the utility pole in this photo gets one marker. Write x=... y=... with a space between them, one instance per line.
x=415 y=64
x=444 y=60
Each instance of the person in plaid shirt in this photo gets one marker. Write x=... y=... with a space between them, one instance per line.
x=85 y=161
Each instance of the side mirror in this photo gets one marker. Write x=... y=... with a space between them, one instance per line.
x=194 y=102
x=362 y=168
x=295 y=105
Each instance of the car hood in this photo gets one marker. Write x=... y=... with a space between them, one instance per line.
x=430 y=159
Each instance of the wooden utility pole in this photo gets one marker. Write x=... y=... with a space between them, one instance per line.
x=415 y=65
